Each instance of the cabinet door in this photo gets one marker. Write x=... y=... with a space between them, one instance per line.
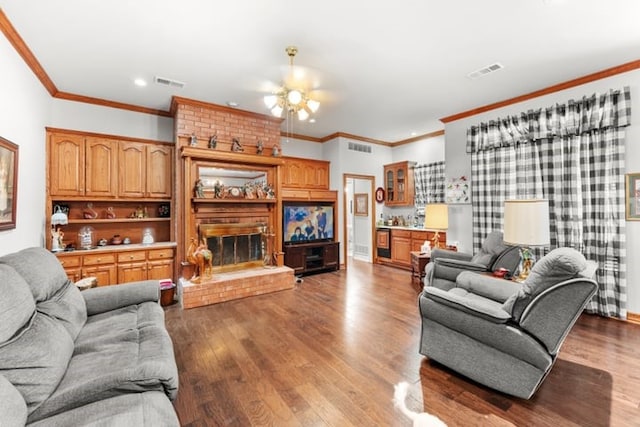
x=331 y=254
x=294 y=257
x=159 y=171
x=104 y=274
x=101 y=157
x=132 y=171
x=74 y=274
x=157 y=270
x=382 y=240
x=389 y=174
x=66 y=167
x=132 y=272
x=293 y=175
x=401 y=250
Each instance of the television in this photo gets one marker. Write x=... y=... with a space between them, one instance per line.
x=307 y=222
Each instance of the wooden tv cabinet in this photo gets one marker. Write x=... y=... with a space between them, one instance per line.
x=312 y=257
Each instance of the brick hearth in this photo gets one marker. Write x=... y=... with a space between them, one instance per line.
x=235 y=285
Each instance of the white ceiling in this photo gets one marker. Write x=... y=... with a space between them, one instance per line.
x=383 y=69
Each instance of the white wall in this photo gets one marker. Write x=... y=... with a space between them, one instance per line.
x=300 y=148
x=112 y=121
x=459 y=163
x=25 y=109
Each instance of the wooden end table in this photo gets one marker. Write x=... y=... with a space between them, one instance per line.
x=418 y=261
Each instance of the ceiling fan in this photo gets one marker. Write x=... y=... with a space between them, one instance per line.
x=295 y=95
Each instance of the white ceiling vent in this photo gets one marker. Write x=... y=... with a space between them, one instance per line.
x=363 y=148
x=168 y=82
x=485 y=70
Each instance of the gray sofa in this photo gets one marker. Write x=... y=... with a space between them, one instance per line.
x=67 y=358
x=504 y=334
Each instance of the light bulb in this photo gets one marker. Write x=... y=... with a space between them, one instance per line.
x=313 y=105
x=270 y=101
x=277 y=111
x=302 y=114
x=294 y=97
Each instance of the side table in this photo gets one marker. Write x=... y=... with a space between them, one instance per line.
x=418 y=261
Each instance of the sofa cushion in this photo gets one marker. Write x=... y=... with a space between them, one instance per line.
x=150 y=409
x=491 y=248
x=135 y=346
x=557 y=266
x=14 y=408
x=36 y=359
x=16 y=303
x=53 y=292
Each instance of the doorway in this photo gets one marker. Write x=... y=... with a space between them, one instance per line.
x=358 y=217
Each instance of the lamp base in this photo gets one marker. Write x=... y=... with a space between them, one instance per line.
x=527 y=263
x=435 y=241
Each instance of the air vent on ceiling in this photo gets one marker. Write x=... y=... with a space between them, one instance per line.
x=354 y=146
x=168 y=82
x=485 y=70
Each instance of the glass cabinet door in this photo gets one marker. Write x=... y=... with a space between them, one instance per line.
x=389 y=185
x=400 y=181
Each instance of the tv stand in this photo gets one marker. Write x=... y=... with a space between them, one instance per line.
x=312 y=257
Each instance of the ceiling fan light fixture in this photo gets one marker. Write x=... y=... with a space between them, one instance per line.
x=291 y=100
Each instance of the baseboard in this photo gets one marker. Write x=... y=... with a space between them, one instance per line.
x=633 y=318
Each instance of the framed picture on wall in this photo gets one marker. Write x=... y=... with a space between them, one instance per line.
x=362 y=204
x=8 y=183
x=632 y=196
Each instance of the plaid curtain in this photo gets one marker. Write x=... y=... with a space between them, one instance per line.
x=573 y=155
x=429 y=183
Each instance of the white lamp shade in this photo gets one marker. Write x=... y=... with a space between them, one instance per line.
x=270 y=101
x=313 y=105
x=526 y=222
x=59 y=217
x=436 y=216
x=303 y=115
x=277 y=111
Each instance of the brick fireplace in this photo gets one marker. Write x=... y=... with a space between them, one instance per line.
x=241 y=226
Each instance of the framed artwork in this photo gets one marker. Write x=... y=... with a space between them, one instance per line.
x=379 y=194
x=362 y=204
x=8 y=183
x=632 y=196
x=458 y=191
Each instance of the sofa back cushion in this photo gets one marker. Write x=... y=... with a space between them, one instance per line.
x=16 y=303
x=54 y=294
x=35 y=359
x=491 y=248
x=557 y=266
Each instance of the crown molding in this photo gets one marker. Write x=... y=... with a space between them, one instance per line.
x=113 y=104
x=629 y=66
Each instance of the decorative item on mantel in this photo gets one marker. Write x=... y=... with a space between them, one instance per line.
x=275 y=152
x=218 y=190
x=140 y=213
x=193 y=141
x=198 y=189
x=213 y=141
x=259 y=147
x=236 y=147
x=110 y=213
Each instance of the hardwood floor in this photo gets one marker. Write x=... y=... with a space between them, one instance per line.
x=328 y=353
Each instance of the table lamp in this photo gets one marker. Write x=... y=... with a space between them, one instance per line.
x=526 y=224
x=436 y=217
x=58 y=218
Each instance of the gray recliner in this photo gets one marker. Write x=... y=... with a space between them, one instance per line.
x=445 y=265
x=503 y=334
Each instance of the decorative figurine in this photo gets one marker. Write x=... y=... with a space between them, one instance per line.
x=218 y=190
x=199 y=189
x=89 y=213
x=194 y=140
x=236 y=145
x=213 y=141
x=110 y=213
x=276 y=151
x=202 y=258
x=56 y=239
x=147 y=237
x=259 y=147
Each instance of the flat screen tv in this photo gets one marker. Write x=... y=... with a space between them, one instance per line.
x=307 y=222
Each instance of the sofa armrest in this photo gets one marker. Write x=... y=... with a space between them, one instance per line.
x=463 y=265
x=437 y=253
x=107 y=298
x=475 y=305
x=14 y=407
x=488 y=286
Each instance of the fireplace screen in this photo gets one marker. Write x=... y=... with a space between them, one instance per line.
x=234 y=246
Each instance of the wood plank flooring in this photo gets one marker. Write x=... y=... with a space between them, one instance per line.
x=328 y=353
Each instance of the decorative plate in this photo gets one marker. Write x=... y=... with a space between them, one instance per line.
x=380 y=195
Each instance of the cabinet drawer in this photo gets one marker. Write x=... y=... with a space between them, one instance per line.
x=161 y=254
x=132 y=256
x=420 y=235
x=401 y=233
x=70 y=261
x=98 y=259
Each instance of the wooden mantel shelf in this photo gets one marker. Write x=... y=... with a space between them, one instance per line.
x=230 y=156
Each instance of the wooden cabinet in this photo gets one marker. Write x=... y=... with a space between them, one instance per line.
x=302 y=173
x=401 y=247
x=398 y=182
x=100 y=159
x=66 y=165
x=403 y=241
x=159 y=176
x=312 y=257
x=112 y=266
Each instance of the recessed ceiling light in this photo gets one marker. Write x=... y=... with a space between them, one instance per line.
x=414 y=133
x=312 y=120
x=232 y=104
x=140 y=82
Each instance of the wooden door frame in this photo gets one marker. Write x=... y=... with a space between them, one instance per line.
x=372 y=216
